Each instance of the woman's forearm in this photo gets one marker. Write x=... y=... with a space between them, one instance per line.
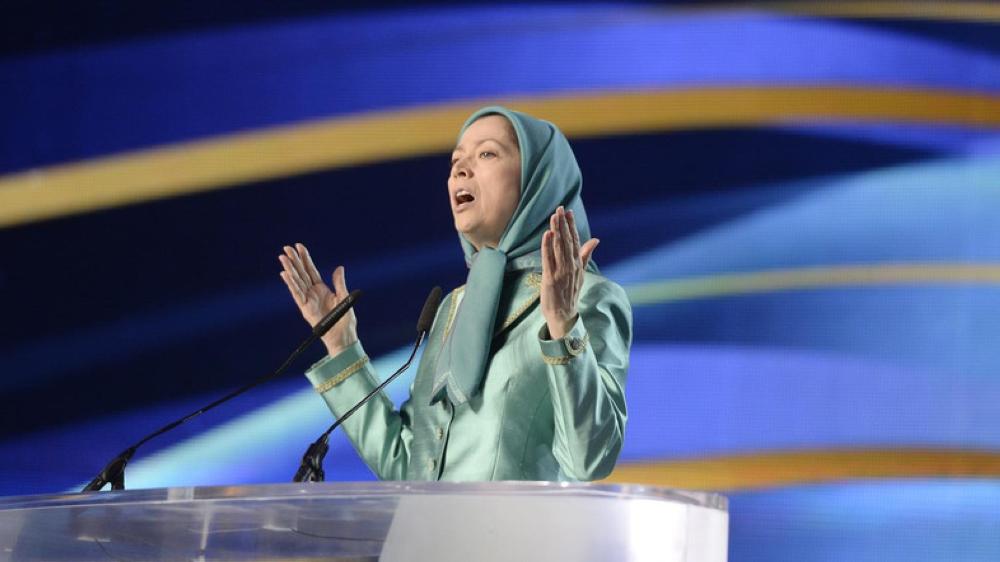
x=586 y=372
x=376 y=430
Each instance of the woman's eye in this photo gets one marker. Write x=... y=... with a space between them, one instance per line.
x=484 y=154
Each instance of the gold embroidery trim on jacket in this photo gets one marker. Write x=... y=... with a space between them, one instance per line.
x=452 y=306
x=563 y=360
x=342 y=376
x=574 y=352
x=520 y=310
x=532 y=280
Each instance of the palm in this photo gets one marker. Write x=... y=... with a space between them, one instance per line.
x=319 y=300
x=315 y=298
x=564 y=261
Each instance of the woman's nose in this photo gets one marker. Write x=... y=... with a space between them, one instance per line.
x=462 y=170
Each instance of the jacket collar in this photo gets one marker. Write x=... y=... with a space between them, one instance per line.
x=517 y=300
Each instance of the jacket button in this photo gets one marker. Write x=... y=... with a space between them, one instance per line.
x=440 y=433
x=431 y=464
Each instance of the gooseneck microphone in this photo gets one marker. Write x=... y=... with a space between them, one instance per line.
x=114 y=472
x=311 y=469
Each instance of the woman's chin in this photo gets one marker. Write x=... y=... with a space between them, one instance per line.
x=465 y=227
x=473 y=232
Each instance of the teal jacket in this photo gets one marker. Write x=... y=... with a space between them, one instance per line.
x=548 y=409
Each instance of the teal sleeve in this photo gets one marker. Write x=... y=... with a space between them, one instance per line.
x=380 y=434
x=586 y=371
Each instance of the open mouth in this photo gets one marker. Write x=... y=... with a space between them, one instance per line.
x=463 y=198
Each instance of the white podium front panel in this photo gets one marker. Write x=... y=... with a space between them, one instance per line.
x=389 y=521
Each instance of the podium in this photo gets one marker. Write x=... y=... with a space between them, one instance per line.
x=389 y=521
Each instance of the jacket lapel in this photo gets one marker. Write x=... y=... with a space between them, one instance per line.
x=515 y=303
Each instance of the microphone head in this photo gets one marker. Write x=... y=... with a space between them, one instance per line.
x=429 y=311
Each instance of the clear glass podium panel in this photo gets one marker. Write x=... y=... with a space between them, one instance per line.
x=390 y=521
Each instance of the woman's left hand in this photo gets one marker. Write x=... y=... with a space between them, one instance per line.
x=563 y=264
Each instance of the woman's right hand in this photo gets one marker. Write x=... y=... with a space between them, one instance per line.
x=315 y=299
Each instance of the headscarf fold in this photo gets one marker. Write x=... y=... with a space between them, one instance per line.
x=550 y=177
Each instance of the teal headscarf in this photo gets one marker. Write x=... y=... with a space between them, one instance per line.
x=550 y=177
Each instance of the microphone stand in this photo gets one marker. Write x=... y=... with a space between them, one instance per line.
x=114 y=471
x=311 y=468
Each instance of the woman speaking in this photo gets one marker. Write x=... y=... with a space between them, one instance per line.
x=523 y=376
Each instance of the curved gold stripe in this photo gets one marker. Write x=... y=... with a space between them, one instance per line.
x=984 y=12
x=765 y=470
x=230 y=160
x=812 y=278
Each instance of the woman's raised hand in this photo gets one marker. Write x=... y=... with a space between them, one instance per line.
x=315 y=299
x=563 y=264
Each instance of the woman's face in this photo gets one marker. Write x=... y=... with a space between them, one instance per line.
x=485 y=180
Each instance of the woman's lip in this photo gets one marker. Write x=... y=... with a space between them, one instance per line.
x=460 y=203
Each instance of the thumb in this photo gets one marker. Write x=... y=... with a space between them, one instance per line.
x=587 y=250
x=339 y=283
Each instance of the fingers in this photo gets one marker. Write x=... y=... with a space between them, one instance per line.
x=293 y=288
x=554 y=243
x=297 y=267
x=588 y=250
x=307 y=262
x=292 y=275
x=565 y=238
x=548 y=253
x=339 y=282
x=574 y=235
x=566 y=243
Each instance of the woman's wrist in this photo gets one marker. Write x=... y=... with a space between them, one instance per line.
x=558 y=328
x=338 y=346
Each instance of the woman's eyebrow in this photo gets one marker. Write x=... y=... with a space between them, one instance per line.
x=460 y=149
